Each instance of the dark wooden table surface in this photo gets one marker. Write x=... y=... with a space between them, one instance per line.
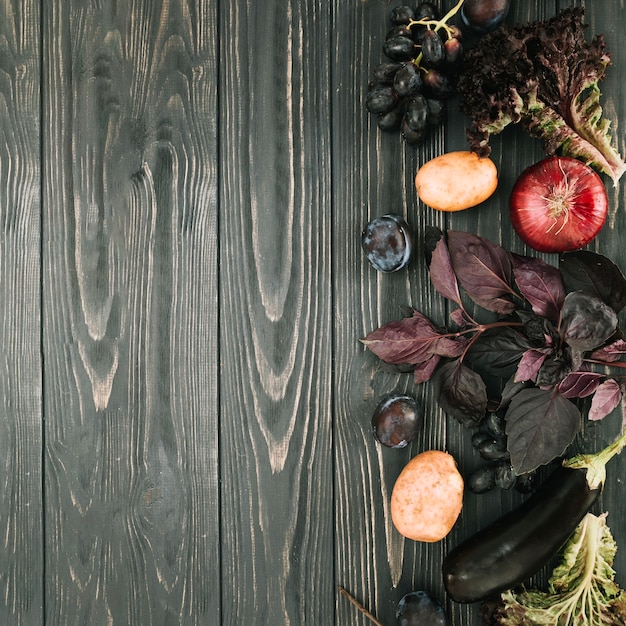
x=185 y=405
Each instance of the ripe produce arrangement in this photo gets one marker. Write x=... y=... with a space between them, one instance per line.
x=547 y=334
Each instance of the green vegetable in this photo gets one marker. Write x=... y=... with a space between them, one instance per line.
x=582 y=591
x=544 y=76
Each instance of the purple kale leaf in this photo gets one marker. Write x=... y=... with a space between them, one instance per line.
x=545 y=76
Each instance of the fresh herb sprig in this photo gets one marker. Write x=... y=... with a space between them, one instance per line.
x=554 y=335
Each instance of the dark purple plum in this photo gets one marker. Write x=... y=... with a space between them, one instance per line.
x=396 y=420
x=387 y=242
x=481 y=16
x=419 y=609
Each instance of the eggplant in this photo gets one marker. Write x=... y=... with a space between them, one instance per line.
x=521 y=542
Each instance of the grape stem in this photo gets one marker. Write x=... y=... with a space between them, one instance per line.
x=359 y=606
x=437 y=25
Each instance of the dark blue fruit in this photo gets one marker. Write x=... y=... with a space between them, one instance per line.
x=419 y=609
x=396 y=420
x=387 y=242
x=481 y=16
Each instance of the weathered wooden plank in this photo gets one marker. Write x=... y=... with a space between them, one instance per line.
x=373 y=174
x=275 y=313
x=130 y=314
x=21 y=512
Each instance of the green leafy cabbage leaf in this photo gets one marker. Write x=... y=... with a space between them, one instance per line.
x=582 y=589
x=544 y=76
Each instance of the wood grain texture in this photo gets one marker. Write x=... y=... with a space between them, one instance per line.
x=373 y=174
x=21 y=514
x=275 y=314
x=130 y=314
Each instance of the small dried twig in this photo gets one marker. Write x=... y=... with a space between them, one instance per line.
x=360 y=607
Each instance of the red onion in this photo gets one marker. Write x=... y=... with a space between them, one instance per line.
x=558 y=204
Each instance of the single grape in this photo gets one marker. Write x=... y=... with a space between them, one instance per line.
x=479 y=437
x=384 y=72
x=426 y=11
x=481 y=16
x=453 y=51
x=482 y=480
x=407 y=80
x=397 y=420
x=433 y=51
x=494 y=424
x=420 y=609
x=401 y=15
x=391 y=120
x=525 y=483
x=387 y=242
x=410 y=136
x=493 y=450
x=505 y=476
x=436 y=111
x=381 y=99
x=416 y=114
x=437 y=85
x=399 y=48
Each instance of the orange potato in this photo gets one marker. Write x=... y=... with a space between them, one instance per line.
x=427 y=497
x=456 y=181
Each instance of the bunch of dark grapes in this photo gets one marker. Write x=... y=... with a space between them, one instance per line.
x=408 y=91
x=496 y=471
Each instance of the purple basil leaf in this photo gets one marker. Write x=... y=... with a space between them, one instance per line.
x=497 y=351
x=484 y=270
x=607 y=397
x=403 y=341
x=442 y=275
x=540 y=425
x=610 y=353
x=541 y=284
x=593 y=273
x=458 y=317
x=411 y=340
x=426 y=369
x=580 y=384
x=461 y=393
x=511 y=388
x=586 y=321
x=529 y=365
